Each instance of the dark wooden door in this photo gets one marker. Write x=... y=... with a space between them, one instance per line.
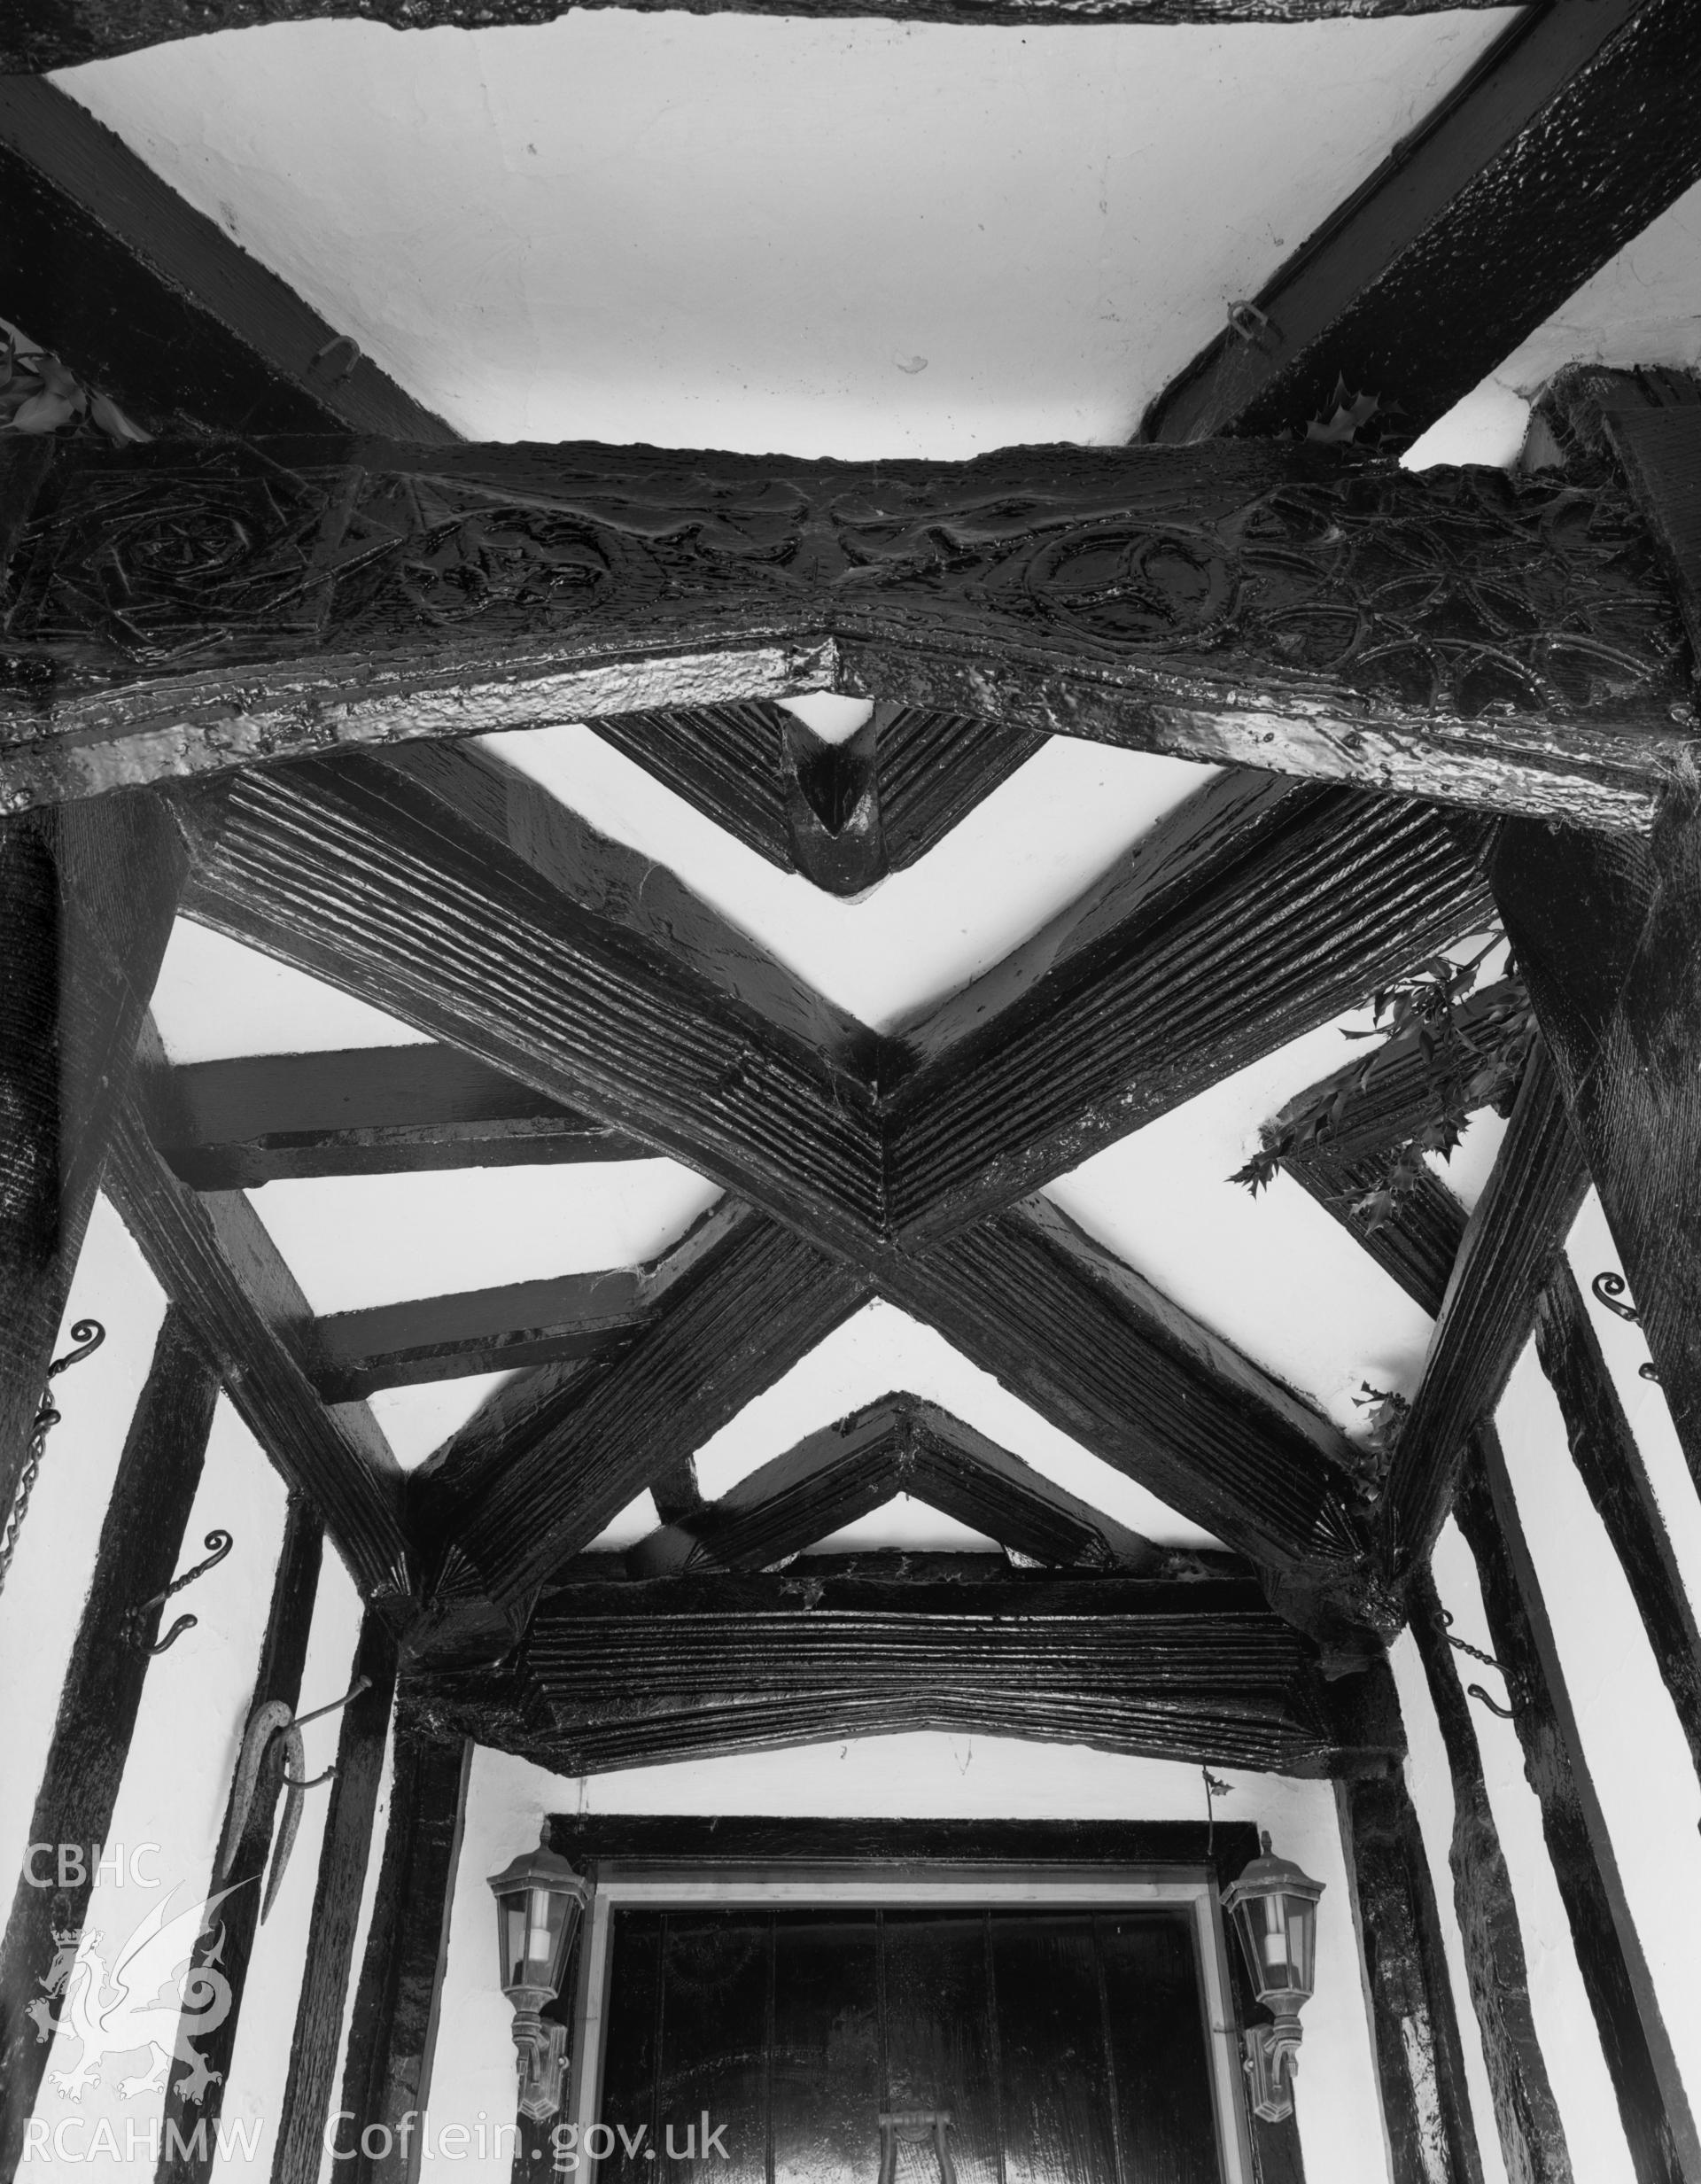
x=1067 y=2047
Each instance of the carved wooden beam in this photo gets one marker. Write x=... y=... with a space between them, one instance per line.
x=1229 y=602
x=526 y=1323
x=842 y=814
x=140 y=1538
x=558 y=956
x=898 y=1445
x=553 y=1455
x=1653 y=2105
x=614 y=1675
x=1259 y=910
x=1515 y=1233
x=1570 y=135
x=462 y=898
x=87 y=898
x=214 y=1259
x=153 y=303
x=61 y=33
x=367 y=1111
x=1107 y=1359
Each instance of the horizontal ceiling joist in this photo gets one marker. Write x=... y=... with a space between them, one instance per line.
x=152 y=304
x=1508 y=644
x=614 y=1675
x=899 y=1445
x=1573 y=133
x=214 y=1259
x=60 y=33
x=368 y=1111
x=527 y=1323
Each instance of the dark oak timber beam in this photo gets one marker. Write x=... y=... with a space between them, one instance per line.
x=1425 y=2102
x=87 y=898
x=461 y=897
x=1532 y=2133
x=525 y=1323
x=1107 y=1359
x=1652 y=2105
x=153 y=303
x=1515 y=1233
x=393 y=2030
x=899 y=1445
x=1259 y=910
x=60 y=33
x=1604 y=1448
x=397 y=877
x=195 y=2097
x=344 y=1854
x=141 y=1536
x=613 y=1674
x=1568 y=138
x=1611 y=949
x=555 y=1454
x=1226 y=602
x=214 y=1259
x=367 y=1111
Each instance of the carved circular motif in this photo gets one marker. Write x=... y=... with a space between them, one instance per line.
x=1129 y=587
x=515 y=559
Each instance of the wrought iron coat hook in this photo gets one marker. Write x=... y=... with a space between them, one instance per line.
x=1608 y=1289
x=135 y=1622
x=1475 y=1691
x=87 y=1334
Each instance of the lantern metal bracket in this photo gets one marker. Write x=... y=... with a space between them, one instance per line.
x=540 y=2055
x=1271 y=2058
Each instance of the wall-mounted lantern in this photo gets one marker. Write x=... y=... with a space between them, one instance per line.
x=539 y=1899
x=1274 y=1908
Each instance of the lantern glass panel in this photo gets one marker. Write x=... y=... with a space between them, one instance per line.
x=1278 y=1933
x=535 y=1935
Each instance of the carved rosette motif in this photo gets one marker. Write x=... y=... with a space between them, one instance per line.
x=1462 y=592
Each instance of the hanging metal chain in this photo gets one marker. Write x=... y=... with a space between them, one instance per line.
x=88 y=1334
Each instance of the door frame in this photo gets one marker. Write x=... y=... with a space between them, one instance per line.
x=659 y=1884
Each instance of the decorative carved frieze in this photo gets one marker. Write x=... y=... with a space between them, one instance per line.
x=187 y=606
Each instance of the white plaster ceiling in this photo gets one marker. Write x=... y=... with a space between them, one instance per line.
x=1028 y=850
x=856 y=238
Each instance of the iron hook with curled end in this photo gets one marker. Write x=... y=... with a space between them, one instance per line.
x=1475 y=1691
x=135 y=1622
x=1494 y=1705
x=1607 y=1289
x=313 y=1781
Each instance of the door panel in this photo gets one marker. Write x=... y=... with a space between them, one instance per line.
x=1158 y=2048
x=939 y=2039
x=826 y=2084
x=1069 y=2047
x=1058 y=2117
